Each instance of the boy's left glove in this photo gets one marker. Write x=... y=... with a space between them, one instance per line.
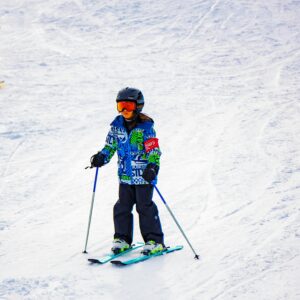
x=150 y=172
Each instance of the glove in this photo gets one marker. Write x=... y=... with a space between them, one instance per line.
x=97 y=160
x=150 y=172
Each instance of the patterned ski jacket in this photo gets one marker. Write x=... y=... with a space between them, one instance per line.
x=135 y=149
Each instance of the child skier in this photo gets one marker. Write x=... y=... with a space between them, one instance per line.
x=133 y=137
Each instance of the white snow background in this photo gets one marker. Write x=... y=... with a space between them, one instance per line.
x=221 y=81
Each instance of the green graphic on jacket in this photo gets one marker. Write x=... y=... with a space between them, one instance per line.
x=111 y=150
x=137 y=139
x=154 y=158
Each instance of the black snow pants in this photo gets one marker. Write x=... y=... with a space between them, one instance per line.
x=150 y=226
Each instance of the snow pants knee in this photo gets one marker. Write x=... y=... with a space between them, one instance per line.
x=141 y=196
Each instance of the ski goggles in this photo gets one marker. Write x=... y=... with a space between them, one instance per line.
x=129 y=106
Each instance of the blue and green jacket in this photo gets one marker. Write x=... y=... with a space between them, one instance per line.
x=135 y=149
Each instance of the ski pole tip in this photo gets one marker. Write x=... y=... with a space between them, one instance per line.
x=85 y=252
x=197 y=256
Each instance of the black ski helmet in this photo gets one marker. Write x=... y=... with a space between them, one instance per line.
x=132 y=94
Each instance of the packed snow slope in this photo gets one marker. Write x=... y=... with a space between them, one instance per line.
x=221 y=81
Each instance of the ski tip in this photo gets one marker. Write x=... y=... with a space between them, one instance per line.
x=94 y=261
x=118 y=263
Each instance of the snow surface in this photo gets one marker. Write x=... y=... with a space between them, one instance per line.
x=221 y=80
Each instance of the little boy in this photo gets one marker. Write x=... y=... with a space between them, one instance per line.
x=133 y=137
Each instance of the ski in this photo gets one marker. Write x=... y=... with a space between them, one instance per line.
x=112 y=256
x=145 y=257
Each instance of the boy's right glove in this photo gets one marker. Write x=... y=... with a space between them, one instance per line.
x=97 y=160
x=150 y=172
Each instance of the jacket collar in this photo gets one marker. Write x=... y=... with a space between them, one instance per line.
x=119 y=122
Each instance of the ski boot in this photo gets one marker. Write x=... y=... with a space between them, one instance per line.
x=151 y=247
x=119 y=246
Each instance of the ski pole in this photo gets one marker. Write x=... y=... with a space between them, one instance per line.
x=91 y=211
x=175 y=220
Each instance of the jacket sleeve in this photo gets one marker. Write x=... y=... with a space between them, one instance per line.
x=152 y=149
x=110 y=146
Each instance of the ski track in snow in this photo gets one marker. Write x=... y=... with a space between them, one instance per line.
x=221 y=80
